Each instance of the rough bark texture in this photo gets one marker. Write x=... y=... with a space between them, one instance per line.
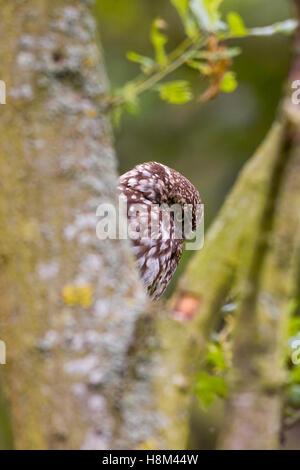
x=80 y=357
x=215 y=273
x=254 y=409
x=69 y=303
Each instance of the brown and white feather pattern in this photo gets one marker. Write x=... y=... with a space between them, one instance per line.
x=154 y=183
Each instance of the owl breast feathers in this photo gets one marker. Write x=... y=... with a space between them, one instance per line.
x=158 y=200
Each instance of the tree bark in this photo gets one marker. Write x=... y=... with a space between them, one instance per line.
x=215 y=274
x=69 y=303
x=254 y=408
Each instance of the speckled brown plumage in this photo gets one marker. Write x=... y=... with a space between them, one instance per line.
x=145 y=185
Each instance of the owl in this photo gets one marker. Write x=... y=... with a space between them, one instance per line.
x=162 y=207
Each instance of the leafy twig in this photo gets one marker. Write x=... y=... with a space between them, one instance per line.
x=201 y=50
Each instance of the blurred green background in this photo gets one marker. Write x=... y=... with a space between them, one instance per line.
x=208 y=143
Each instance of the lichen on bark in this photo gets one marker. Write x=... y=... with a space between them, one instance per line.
x=69 y=302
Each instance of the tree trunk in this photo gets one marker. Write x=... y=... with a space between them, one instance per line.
x=215 y=274
x=254 y=408
x=69 y=303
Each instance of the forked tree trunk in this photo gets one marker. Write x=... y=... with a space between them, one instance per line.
x=79 y=354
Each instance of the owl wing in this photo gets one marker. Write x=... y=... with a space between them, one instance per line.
x=158 y=257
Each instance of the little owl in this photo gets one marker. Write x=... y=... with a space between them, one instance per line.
x=150 y=189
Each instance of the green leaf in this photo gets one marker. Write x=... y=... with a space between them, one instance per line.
x=294 y=375
x=213 y=8
x=159 y=40
x=207 y=13
x=177 y=92
x=182 y=7
x=132 y=106
x=202 y=67
x=190 y=27
x=229 y=82
x=284 y=27
x=210 y=387
x=215 y=357
x=236 y=24
x=146 y=62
